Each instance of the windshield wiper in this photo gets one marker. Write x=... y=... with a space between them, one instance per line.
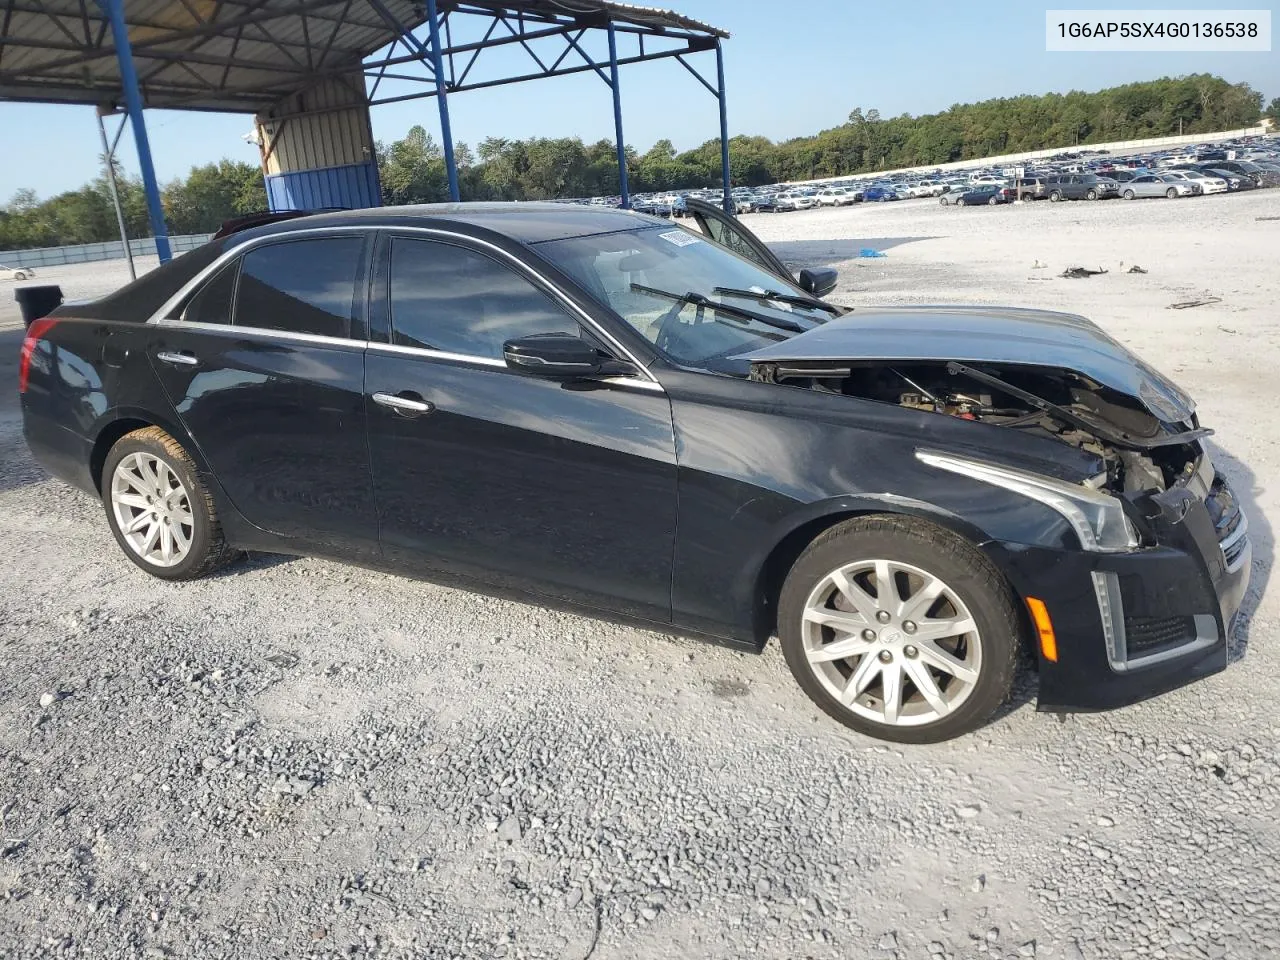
x=701 y=300
x=791 y=298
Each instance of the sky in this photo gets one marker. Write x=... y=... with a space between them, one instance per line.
x=792 y=67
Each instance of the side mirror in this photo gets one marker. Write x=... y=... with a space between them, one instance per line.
x=553 y=355
x=818 y=281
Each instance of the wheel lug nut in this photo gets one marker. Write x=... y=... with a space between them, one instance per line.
x=868 y=634
x=909 y=626
x=910 y=652
x=886 y=656
x=882 y=616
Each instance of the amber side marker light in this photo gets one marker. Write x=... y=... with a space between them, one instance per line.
x=1044 y=627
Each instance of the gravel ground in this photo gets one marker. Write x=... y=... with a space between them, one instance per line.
x=299 y=759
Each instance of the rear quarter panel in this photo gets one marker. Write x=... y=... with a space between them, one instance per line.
x=84 y=376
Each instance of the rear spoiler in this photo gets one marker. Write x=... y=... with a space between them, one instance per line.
x=263 y=217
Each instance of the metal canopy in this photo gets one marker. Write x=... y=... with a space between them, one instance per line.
x=243 y=55
x=263 y=56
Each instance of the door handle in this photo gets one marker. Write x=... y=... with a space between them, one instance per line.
x=183 y=358
x=407 y=403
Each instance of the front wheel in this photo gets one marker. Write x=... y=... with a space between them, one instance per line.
x=1091 y=195
x=899 y=629
x=1129 y=194
x=19 y=275
x=943 y=201
x=1055 y=197
x=1171 y=193
x=158 y=509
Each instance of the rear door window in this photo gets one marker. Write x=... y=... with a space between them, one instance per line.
x=212 y=302
x=300 y=286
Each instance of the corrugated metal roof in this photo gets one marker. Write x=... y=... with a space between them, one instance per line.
x=241 y=55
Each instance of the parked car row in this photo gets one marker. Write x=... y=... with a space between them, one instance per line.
x=1086 y=174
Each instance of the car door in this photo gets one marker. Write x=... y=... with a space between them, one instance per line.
x=482 y=472
x=264 y=365
x=727 y=231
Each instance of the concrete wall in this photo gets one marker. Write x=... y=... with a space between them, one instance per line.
x=92 y=252
x=1011 y=159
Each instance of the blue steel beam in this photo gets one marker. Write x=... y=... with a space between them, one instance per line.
x=442 y=100
x=114 y=10
x=727 y=203
x=431 y=55
x=617 y=118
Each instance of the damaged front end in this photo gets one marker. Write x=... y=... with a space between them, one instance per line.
x=1140 y=451
x=1147 y=602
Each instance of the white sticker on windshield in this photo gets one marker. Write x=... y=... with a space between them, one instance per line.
x=679 y=238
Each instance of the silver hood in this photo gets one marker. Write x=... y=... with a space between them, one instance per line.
x=978 y=334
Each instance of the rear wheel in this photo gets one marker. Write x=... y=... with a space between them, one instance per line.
x=1055 y=197
x=992 y=202
x=899 y=629
x=1129 y=194
x=19 y=275
x=158 y=509
x=943 y=201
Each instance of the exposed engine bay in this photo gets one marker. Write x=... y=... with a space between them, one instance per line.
x=1141 y=452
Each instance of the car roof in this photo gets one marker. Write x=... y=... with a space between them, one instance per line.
x=522 y=222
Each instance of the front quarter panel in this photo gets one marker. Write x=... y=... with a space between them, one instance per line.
x=758 y=461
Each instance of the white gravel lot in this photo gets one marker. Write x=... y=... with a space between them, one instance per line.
x=300 y=759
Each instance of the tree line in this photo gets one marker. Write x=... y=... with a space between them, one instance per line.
x=412 y=169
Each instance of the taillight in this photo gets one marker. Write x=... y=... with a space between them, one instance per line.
x=37 y=330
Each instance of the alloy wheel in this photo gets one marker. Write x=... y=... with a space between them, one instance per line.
x=152 y=509
x=891 y=642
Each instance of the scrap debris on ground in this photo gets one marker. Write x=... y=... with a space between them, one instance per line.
x=1199 y=302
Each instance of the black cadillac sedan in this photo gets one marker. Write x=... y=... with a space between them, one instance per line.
x=598 y=408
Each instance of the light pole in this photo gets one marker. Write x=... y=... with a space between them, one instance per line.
x=108 y=158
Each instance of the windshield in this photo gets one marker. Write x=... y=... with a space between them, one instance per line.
x=666 y=283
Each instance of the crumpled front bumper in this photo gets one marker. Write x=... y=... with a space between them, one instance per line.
x=1133 y=625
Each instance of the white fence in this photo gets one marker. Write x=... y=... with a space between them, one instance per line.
x=1014 y=158
x=92 y=252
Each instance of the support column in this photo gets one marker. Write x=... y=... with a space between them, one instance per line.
x=114 y=10
x=442 y=99
x=724 y=128
x=623 y=189
x=109 y=158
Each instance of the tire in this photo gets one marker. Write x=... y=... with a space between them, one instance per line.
x=1129 y=195
x=992 y=202
x=943 y=201
x=1055 y=197
x=19 y=275
x=192 y=513
x=1171 y=193
x=913 y=549
x=1091 y=195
